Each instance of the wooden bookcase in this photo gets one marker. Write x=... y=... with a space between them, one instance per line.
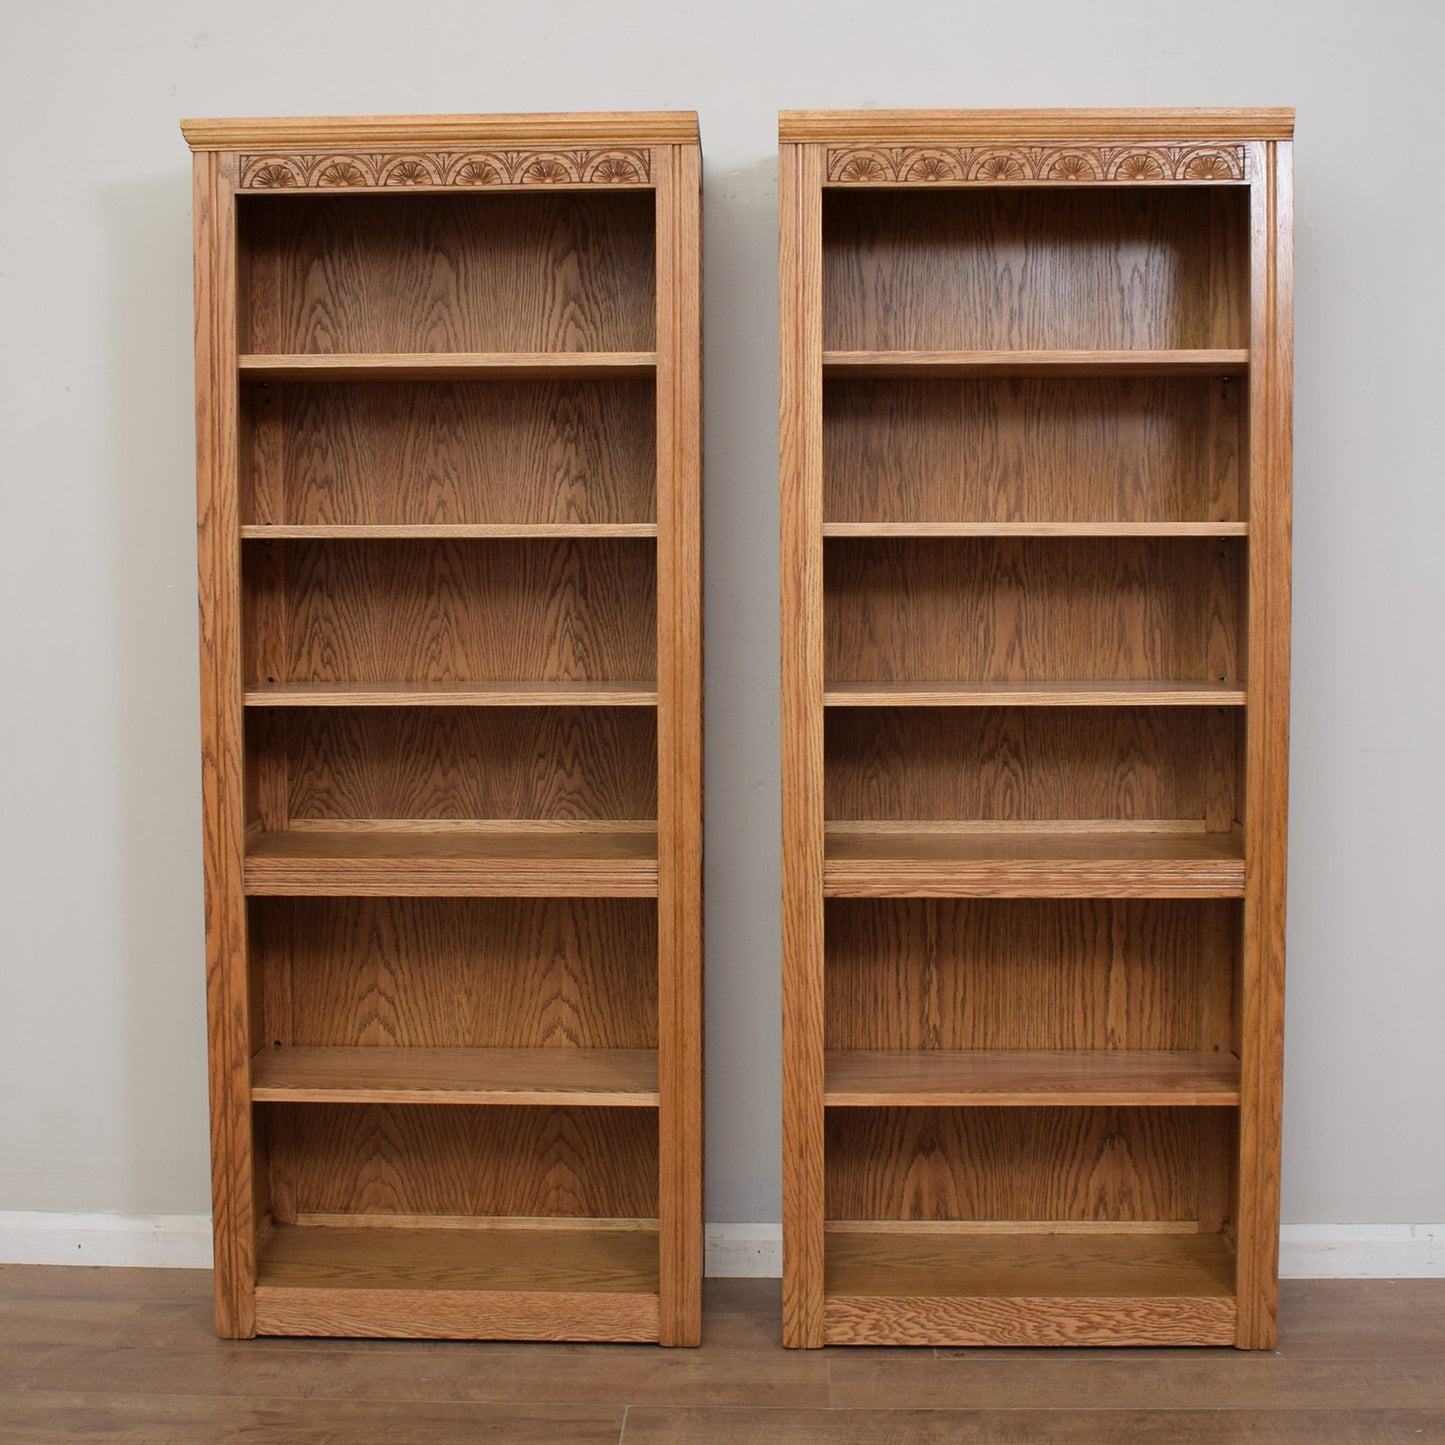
x=1036 y=374
x=448 y=379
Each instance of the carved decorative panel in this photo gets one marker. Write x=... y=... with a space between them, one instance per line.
x=994 y=165
x=612 y=166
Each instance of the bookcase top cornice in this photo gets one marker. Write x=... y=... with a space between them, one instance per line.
x=405 y=132
x=906 y=127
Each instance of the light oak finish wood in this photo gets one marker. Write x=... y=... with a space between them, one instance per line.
x=1031 y=694
x=449 y=471
x=1024 y=363
x=1149 y=278
x=564 y=610
x=885 y=1078
x=519 y=1283
x=435 y=458
x=679 y=743
x=900 y=127
x=447 y=366
x=340 y=1075
x=536 y=973
x=282 y=531
x=1007 y=1167
x=414 y=1166
x=1065 y=456
x=800 y=281
x=475 y=281
x=445 y=694
x=1035 y=476
x=1059 y=862
x=1016 y=609
x=518 y=862
x=405 y=132
x=1013 y=1289
x=1061 y=974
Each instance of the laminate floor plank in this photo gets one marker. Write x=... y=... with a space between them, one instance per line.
x=40 y=1419
x=654 y=1426
x=91 y=1354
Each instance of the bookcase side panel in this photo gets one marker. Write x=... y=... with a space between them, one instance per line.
x=228 y=996
x=800 y=178
x=677 y=170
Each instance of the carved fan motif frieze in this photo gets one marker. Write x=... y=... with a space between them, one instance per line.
x=612 y=166
x=993 y=165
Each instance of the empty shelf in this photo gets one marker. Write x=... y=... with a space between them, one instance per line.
x=452 y=694
x=1033 y=363
x=1035 y=529
x=912 y=860
x=944 y=1078
x=526 y=1280
x=1016 y=1284
x=438 y=531
x=446 y=365
x=392 y=1075
x=521 y=861
x=1034 y=694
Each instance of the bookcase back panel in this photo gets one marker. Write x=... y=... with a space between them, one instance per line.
x=400 y=1159
x=1104 y=449
x=444 y=763
x=563 y=271
x=457 y=972
x=1040 y=609
x=450 y=452
x=1029 y=973
x=1118 y=1164
x=566 y=610
x=1024 y=269
x=1005 y=764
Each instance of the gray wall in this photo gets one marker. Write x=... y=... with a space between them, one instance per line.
x=102 y=1077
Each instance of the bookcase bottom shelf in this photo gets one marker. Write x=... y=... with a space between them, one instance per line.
x=982 y=1286
x=517 y=1282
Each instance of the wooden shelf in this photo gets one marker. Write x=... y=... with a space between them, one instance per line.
x=916 y=860
x=1034 y=694
x=1035 y=529
x=1023 y=1284
x=452 y=694
x=518 y=1279
x=446 y=365
x=504 y=861
x=1223 y=362
x=944 y=1078
x=625 y=1078
x=441 y=531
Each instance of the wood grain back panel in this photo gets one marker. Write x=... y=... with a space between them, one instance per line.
x=1046 y=449
x=450 y=452
x=561 y=271
x=1118 y=1164
x=1012 y=764
x=398 y=1159
x=457 y=972
x=1060 y=973
x=1034 y=269
x=448 y=611
x=444 y=763
x=1016 y=609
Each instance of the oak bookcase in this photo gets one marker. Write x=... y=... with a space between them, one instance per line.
x=448 y=380
x=1036 y=373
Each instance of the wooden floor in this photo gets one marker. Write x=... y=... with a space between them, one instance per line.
x=100 y=1354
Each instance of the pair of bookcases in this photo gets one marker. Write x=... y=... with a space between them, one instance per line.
x=1035 y=402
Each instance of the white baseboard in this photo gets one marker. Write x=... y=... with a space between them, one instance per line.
x=183 y=1241
x=145 y=1241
